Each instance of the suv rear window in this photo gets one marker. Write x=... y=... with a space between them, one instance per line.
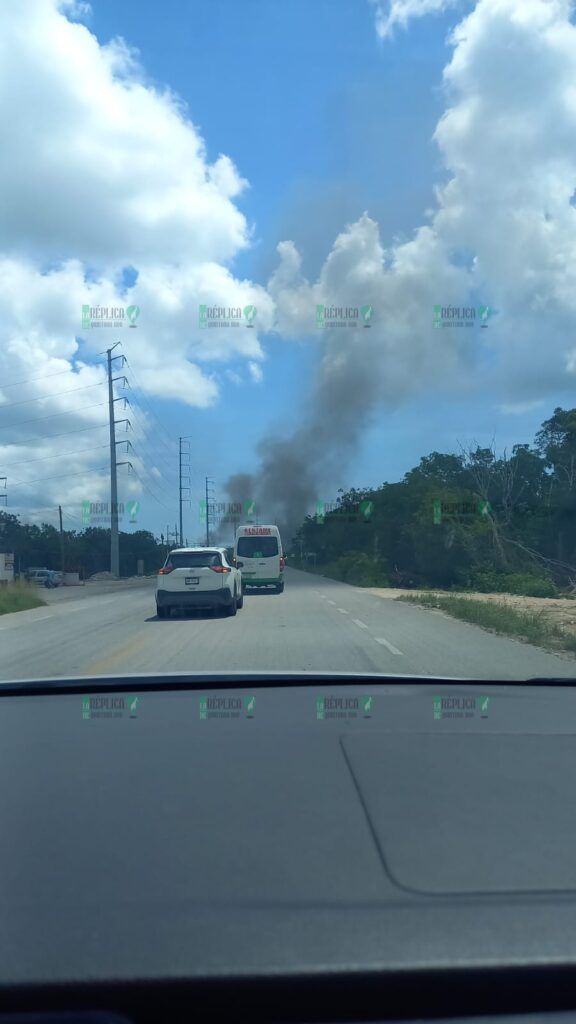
x=194 y=559
x=257 y=547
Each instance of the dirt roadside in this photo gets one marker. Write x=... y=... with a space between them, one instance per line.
x=559 y=611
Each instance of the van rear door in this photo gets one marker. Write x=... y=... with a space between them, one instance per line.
x=260 y=557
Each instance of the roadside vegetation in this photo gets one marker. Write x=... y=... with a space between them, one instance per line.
x=467 y=522
x=17 y=597
x=533 y=627
x=85 y=551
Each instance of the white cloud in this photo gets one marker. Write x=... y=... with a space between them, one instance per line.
x=101 y=170
x=508 y=143
x=390 y=13
x=520 y=408
x=256 y=373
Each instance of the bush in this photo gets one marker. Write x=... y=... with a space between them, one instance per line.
x=358 y=569
x=18 y=597
x=528 y=584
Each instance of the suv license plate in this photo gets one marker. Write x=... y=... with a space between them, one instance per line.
x=192 y=579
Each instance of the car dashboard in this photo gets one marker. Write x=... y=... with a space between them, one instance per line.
x=282 y=848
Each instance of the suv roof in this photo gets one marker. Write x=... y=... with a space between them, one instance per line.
x=204 y=547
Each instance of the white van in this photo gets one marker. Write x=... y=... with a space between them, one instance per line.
x=258 y=555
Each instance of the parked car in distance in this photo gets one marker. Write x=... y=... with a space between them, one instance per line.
x=40 y=576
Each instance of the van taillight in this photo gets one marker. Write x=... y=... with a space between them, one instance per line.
x=282 y=562
x=166 y=569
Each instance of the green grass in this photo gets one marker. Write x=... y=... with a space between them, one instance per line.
x=17 y=597
x=533 y=627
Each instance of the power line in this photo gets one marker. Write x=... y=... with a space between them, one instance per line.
x=50 y=416
x=78 y=451
x=172 y=441
x=55 y=394
x=145 y=440
x=147 y=402
x=45 y=376
x=171 y=510
x=46 y=437
x=59 y=476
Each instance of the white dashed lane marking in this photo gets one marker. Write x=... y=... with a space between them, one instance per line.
x=386 y=643
x=362 y=625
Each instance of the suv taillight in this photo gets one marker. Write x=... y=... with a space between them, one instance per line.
x=221 y=568
x=166 y=569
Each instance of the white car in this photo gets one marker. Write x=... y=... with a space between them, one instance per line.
x=198 y=578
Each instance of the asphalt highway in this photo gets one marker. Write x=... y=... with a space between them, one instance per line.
x=315 y=625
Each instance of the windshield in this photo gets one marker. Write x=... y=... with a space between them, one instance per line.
x=299 y=271
x=257 y=547
x=193 y=559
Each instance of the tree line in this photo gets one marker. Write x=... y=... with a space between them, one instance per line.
x=469 y=520
x=86 y=551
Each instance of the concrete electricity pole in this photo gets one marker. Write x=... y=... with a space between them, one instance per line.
x=182 y=487
x=61 y=539
x=114 y=543
x=208 y=496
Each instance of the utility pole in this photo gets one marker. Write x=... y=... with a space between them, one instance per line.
x=180 y=486
x=183 y=454
x=61 y=539
x=114 y=542
x=207 y=513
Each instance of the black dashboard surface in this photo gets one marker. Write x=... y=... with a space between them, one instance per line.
x=410 y=840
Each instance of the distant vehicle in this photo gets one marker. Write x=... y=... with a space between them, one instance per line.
x=41 y=576
x=198 y=578
x=36 y=575
x=258 y=554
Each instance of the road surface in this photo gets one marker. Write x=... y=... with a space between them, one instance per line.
x=316 y=624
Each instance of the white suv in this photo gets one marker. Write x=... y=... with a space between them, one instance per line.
x=198 y=578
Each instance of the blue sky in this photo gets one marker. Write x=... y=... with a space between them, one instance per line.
x=325 y=121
